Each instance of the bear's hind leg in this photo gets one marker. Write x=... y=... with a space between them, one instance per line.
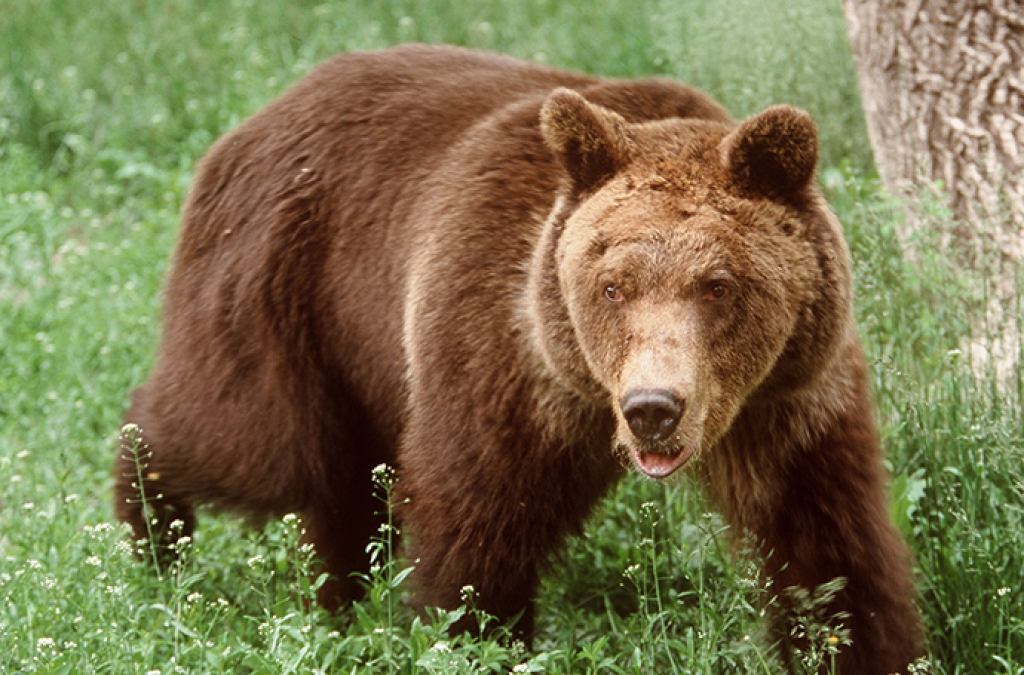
x=145 y=500
x=340 y=526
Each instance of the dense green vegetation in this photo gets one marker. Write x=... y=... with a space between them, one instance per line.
x=105 y=108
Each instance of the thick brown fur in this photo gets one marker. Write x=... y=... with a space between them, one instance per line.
x=513 y=281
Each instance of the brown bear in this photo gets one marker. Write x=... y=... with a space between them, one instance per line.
x=518 y=282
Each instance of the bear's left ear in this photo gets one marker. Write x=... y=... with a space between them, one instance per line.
x=773 y=153
x=591 y=142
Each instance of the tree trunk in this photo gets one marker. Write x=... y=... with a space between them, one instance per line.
x=943 y=89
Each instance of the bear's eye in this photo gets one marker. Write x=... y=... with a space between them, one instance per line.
x=716 y=290
x=613 y=294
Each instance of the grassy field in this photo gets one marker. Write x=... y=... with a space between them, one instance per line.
x=105 y=108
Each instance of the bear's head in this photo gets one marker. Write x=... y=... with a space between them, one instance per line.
x=689 y=270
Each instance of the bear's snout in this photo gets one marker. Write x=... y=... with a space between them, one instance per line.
x=652 y=414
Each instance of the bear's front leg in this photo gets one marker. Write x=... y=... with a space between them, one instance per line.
x=488 y=513
x=828 y=517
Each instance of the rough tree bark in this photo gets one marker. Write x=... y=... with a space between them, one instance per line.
x=943 y=89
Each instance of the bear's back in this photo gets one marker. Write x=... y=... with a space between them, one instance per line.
x=367 y=123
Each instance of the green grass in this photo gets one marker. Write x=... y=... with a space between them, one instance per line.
x=104 y=110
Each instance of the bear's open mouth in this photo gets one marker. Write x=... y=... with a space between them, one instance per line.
x=657 y=464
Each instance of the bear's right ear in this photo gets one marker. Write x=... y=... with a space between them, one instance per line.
x=591 y=142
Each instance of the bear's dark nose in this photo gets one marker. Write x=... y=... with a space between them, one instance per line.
x=652 y=414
